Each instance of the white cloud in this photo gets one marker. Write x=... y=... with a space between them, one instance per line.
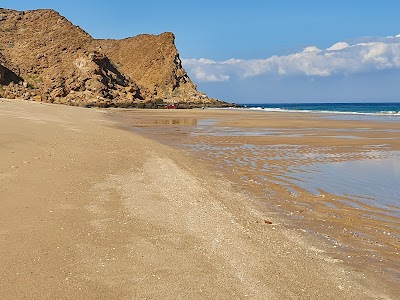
x=311 y=49
x=203 y=76
x=340 y=58
x=338 y=46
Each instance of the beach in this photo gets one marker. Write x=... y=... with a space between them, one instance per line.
x=93 y=208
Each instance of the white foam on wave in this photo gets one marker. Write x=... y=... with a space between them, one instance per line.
x=276 y=109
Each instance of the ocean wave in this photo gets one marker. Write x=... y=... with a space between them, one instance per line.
x=276 y=109
x=390 y=112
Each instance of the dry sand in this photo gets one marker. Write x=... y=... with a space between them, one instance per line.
x=90 y=211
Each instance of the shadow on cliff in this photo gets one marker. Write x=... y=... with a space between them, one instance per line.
x=7 y=76
x=110 y=71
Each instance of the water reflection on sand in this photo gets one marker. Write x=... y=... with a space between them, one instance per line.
x=349 y=194
x=374 y=181
x=338 y=179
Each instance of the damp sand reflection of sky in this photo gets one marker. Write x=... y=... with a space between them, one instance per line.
x=373 y=181
x=371 y=176
x=204 y=127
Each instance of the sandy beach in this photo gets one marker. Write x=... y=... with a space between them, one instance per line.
x=332 y=175
x=91 y=210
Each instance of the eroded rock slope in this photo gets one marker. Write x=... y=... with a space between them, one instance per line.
x=44 y=57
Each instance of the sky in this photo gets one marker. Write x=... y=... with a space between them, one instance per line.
x=262 y=51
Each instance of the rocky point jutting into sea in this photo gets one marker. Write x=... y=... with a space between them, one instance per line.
x=44 y=57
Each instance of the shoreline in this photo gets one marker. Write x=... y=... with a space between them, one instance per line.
x=93 y=211
x=390 y=109
x=212 y=136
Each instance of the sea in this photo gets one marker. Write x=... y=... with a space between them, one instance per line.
x=337 y=108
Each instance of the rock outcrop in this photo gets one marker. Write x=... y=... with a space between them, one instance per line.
x=153 y=62
x=44 y=57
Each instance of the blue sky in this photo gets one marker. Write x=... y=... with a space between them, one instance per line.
x=262 y=51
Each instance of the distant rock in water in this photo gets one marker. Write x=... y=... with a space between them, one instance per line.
x=44 y=57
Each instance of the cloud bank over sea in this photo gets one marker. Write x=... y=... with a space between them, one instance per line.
x=342 y=58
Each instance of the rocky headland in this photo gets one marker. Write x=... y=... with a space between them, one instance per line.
x=44 y=57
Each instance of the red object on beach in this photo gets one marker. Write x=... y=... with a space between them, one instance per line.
x=172 y=106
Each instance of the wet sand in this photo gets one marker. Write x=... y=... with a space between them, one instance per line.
x=92 y=211
x=271 y=156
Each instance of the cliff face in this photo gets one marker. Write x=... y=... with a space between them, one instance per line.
x=153 y=63
x=45 y=57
